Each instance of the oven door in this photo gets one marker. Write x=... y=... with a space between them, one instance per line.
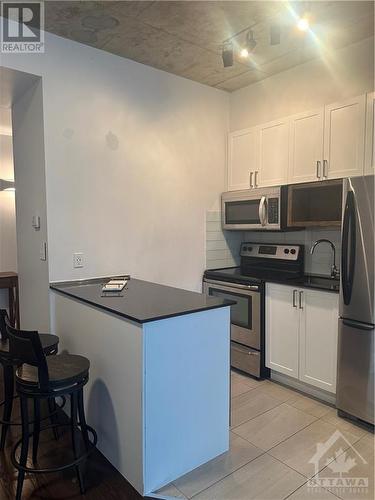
x=245 y=314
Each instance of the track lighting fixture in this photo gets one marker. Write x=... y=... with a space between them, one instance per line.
x=227 y=54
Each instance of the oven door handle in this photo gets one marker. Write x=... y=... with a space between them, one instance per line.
x=263 y=210
x=227 y=286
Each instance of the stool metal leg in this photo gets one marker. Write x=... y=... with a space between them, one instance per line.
x=82 y=419
x=36 y=428
x=8 y=401
x=52 y=409
x=24 y=446
x=75 y=438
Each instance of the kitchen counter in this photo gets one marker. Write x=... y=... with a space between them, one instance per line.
x=141 y=301
x=158 y=393
x=316 y=282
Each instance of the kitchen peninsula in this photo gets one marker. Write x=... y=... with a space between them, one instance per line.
x=158 y=394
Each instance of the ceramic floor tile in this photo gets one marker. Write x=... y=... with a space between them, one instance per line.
x=312 y=492
x=241 y=452
x=262 y=479
x=278 y=391
x=343 y=424
x=250 y=381
x=355 y=466
x=276 y=425
x=299 y=450
x=169 y=491
x=310 y=406
x=238 y=387
x=250 y=405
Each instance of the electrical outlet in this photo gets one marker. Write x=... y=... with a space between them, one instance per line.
x=78 y=259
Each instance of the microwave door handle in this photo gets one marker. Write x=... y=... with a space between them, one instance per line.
x=262 y=211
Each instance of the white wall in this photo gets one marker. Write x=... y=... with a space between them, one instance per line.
x=27 y=118
x=134 y=158
x=8 y=247
x=344 y=73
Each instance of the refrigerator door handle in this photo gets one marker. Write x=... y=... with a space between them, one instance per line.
x=348 y=254
x=357 y=325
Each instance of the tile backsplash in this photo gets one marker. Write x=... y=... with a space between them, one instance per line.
x=223 y=247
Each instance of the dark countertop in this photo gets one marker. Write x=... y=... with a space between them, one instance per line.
x=315 y=282
x=141 y=301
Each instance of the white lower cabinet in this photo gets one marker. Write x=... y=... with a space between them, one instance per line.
x=301 y=334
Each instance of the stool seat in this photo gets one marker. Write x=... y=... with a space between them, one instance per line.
x=63 y=369
x=49 y=343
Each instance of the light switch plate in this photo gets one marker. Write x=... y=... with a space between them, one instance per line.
x=77 y=260
x=43 y=251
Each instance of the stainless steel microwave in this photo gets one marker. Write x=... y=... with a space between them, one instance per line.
x=262 y=209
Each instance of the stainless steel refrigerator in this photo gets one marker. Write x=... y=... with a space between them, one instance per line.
x=355 y=374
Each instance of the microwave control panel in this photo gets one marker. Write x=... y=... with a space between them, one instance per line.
x=273 y=210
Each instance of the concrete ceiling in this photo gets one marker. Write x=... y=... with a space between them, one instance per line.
x=185 y=37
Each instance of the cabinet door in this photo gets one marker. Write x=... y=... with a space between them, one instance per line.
x=370 y=132
x=318 y=339
x=273 y=153
x=242 y=152
x=282 y=329
x=344 y=138
x=306 y=147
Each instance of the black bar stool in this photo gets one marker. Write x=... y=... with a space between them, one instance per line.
x=49 y=346
x=39 y=377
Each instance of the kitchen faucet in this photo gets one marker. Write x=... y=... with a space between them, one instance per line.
x=335 y=273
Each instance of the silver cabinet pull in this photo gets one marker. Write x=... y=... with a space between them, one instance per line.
x=325 y=168
x=294 y=298
x=300 y=300
x=251 y=179
x=256 y=178
x=318 y=165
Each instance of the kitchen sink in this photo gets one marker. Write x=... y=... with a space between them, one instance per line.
x=322 y=282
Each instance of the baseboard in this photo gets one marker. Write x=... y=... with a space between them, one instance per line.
x=320 y=394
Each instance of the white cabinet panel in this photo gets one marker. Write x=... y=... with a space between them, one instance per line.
x=370 y=134
x=306 y=146
x=282 y=330
x=344 y=135
x=273 y=157
x=318 y=339
x=242 y=158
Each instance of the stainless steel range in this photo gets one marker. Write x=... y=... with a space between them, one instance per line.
x=245 y=285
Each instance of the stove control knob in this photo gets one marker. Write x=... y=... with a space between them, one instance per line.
x=244 y=249
x=249 y=249
x=293 y=251
x=286 y=250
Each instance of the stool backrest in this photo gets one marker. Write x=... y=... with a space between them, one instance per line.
x=26 y=347
x=3 y=329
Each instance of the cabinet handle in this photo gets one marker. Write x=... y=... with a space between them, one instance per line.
x=251 y=179
x=325 y=168
x=300 y=300
x=294 y=298
x=318 y=165
x=256 y=178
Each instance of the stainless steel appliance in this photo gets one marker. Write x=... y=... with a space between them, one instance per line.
x=355 y=376
x=259 y=209
x=245 y=286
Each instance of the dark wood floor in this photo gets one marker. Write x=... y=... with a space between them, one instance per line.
x=103 y=482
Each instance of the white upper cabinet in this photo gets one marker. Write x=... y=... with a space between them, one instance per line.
x=318 y=339
x=370 y=133
x=282 y=329
x=344 y=138
x=242 y=151
x=273 y=154
x=306 y=146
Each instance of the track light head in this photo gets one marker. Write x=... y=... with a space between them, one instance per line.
x=227 y=54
